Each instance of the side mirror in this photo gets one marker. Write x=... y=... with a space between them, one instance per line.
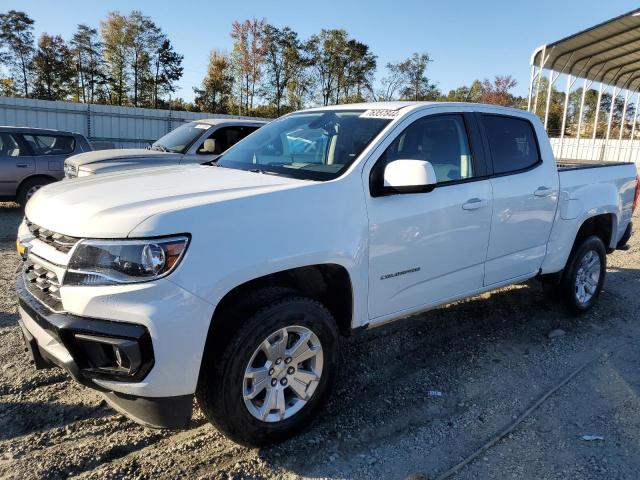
x=209 y=146
x=410 y=176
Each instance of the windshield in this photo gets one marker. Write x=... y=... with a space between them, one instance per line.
x=180 y=139
x=312 y=145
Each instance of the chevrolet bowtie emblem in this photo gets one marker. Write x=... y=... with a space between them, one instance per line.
x=23 y=249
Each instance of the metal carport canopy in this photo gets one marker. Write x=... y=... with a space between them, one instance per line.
x=608 y=53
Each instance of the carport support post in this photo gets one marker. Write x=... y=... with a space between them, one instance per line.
x=552 y=80
x=540 y=72
x=633 y=128
x=531 y=80
x=564 y=113
x=595 y=121
x=614 y=96
x=585 y=85
x=622 y=122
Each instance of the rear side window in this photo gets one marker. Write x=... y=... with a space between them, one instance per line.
x=512 y=143
x=9 y=146
x=50 y=144
x=226 y=137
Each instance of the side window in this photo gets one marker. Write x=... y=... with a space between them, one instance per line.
x=9 y=146
x=441 y=140
x=225 y=137
x=512 y=143
x=50 y=144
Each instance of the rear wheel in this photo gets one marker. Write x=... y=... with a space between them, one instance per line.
x=29 y=187
x=273 y=376
x=584 y=275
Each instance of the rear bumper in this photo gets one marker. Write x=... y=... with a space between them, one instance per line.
x=77 y=344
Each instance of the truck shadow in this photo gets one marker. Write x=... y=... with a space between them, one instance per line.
x=24 y=418
x=461 y=350
x=10 y=217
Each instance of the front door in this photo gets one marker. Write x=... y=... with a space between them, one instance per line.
x=426 y=248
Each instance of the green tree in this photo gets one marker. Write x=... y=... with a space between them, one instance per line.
x=167 y=70
x=407 y=80
x=144 y=40
x=87 y=53
x=53 y=68
x=217 y=85
x=247 y=57
x=117 y=47
x=471 y=94
x=282 y=63
x=359 y=68
x=16 y=37
x=417 y=85
x=344 y=66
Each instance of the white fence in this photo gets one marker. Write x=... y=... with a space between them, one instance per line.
x=598 y=150
x=105 y=126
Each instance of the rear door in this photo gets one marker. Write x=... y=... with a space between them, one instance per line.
x=16 y=163
x=525 y=196
x=50 y=152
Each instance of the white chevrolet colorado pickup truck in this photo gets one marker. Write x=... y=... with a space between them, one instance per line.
x=232 y=281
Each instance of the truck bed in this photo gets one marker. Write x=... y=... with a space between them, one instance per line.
x=576 y=164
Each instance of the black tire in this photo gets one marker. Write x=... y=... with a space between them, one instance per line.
x=567 y=288
x=27 y=186
x=220 y=386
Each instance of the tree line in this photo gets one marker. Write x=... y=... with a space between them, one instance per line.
x=128 y=61
x=269 y=71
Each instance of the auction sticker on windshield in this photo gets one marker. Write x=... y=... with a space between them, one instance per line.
x=380 y=113
x=203 y=126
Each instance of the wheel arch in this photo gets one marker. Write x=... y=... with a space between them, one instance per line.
x=32 y=177
x=329 y=283
x=602 y=224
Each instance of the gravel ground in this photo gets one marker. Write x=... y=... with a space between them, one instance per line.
x=491 y=357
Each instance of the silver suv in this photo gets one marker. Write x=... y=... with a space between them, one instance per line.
x=33 y=157
x=199 y=141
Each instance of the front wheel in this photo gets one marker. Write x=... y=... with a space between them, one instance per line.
x=273 y=376
x=584 y=275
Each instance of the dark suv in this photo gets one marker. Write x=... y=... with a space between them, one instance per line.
x=33 y=157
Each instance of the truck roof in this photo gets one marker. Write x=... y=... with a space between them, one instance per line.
x=400 y=105
x=36 y=130
x=236 y=121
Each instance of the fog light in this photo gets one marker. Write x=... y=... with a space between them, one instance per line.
x=115 y=356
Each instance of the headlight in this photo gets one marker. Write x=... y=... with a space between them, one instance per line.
x=111 y=262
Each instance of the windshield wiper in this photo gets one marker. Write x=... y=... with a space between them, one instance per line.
x=159 y=147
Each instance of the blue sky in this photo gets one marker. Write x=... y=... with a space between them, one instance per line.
x=466 y=39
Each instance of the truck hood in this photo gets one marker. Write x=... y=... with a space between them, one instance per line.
x=111 y=205
x=97 y=156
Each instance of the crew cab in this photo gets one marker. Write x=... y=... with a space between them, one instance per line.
x=232 y=281
x=193 y=142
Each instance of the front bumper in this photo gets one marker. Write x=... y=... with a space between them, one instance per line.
x=81 y=346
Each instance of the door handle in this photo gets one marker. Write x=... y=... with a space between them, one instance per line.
x=22 y=165
x=474 y=204
x=543 y=192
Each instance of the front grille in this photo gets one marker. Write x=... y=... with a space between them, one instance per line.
x=70 y=171
x=62 y=243
x=43 y=284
